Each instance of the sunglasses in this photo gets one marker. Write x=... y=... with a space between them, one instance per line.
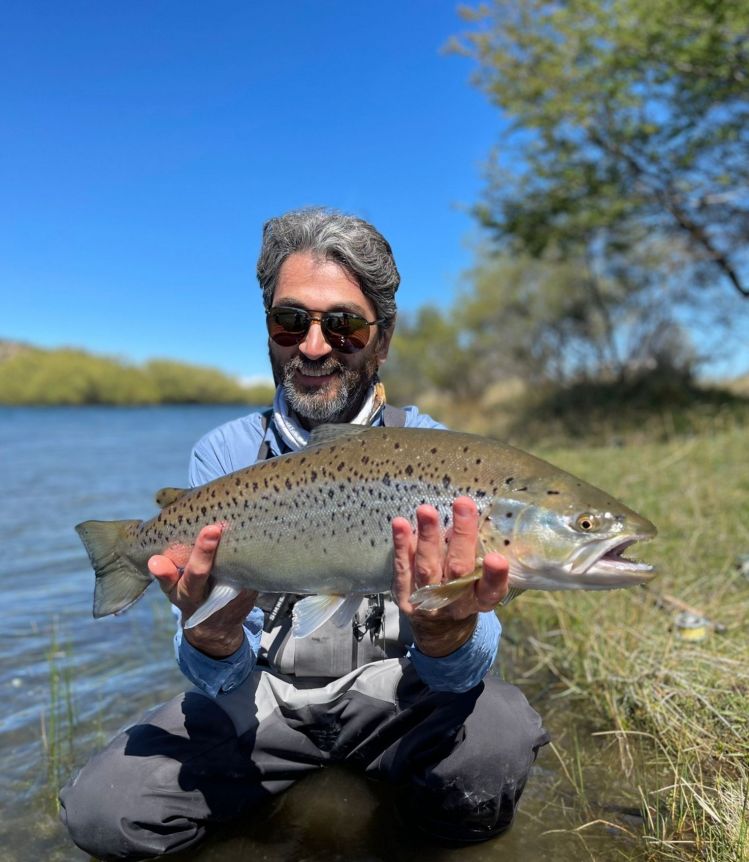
x=343 y=330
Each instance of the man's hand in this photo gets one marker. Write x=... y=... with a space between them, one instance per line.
x=426 y=557
x=187 y=588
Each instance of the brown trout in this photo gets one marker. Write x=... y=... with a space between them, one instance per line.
x=317 y=523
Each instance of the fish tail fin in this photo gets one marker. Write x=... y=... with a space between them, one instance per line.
x=119 y=582
x=434 y=596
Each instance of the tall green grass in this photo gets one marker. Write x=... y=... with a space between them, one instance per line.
x=58 y=722
x=619 y=655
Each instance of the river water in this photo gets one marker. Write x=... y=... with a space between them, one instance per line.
x=69 y=682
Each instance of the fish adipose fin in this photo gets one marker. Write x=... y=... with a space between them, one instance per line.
x=166 y=496
x=219 y=597
x=309 y=614
x=435 y=596
x=119 y=582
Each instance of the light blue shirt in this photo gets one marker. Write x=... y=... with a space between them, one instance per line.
x=235 y=445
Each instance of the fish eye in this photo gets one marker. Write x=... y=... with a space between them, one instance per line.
x=588 y=522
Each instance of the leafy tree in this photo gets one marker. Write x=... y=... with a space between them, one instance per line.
x=33 y=376
x=426 y=355
x=557 y=320
x=631 y=117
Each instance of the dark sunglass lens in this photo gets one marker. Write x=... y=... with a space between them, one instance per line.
x=346 y=332
x=288 y=326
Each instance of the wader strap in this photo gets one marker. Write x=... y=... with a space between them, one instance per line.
x=393 y=417
x=263 y=453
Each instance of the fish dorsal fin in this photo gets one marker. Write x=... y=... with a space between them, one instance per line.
x=166 y=496
x=328 y=433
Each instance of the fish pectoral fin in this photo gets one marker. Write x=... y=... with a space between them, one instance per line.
x=166 y=496
x=219 y=597
x=435 y=596
x=312 y=612
x=512 y=593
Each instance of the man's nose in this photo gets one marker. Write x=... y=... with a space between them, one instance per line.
x=314 y=345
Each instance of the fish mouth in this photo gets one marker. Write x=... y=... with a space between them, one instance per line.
x=612 y=568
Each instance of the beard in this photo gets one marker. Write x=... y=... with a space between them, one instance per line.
x=336 y=401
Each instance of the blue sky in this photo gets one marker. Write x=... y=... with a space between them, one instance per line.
x=145 y=143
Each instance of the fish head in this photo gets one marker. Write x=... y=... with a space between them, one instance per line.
x=561 y=533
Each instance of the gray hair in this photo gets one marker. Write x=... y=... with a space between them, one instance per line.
x=347 y=240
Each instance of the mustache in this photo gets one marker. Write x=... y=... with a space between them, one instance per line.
x=326 y=365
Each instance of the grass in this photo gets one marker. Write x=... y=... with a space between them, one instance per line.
x=58 y=724
x=679 y=710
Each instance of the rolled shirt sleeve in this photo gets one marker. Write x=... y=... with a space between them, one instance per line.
x=214 y=675
x=466 y=667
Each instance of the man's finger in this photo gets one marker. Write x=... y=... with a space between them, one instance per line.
x=199 y=565
x=403 y=554
x=165 y=571
x=428 y=556
x=461 y=549
x=493 y=586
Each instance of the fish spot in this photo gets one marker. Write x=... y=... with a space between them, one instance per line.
x=288 y=484
x=313 y=475
x=397 y=446
x=341 y=466
x=203 y=510
x=507 y=542
x=409 y=470
x=433 y=450
x=510 y=480
x=331 y=493
x=524 y=488
x=552 y=492
x=445 y=481
x=478 y=460
x=508 y=514
x=237 y=482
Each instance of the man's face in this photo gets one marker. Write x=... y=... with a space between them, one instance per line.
x=320 y=383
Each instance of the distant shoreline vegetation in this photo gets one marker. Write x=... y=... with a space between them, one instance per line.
x=69 y=376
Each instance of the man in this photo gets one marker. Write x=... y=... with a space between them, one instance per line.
x=402 y=694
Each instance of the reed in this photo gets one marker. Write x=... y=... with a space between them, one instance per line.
x=58 y=723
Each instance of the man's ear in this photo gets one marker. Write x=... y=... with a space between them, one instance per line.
x=384 y=341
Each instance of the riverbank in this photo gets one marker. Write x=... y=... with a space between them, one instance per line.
x=678 y=709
